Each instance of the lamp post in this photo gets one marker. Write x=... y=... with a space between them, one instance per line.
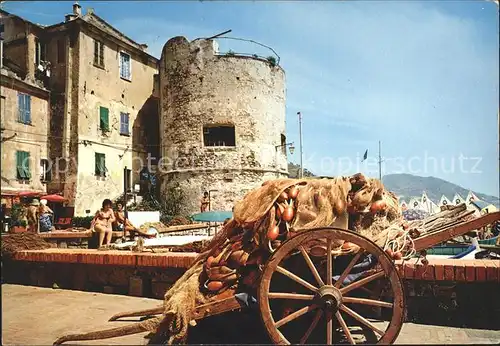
x=290 y=146
x=301 y=152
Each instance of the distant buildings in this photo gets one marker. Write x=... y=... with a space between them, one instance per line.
x=426 y=204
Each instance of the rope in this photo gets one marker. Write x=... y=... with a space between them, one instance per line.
x=403 y=243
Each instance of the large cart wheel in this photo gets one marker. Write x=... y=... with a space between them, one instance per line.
x=294 y=297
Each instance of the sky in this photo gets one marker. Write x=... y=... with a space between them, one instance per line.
x=420 y=77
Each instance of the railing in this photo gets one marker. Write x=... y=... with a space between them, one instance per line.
x=274 y=58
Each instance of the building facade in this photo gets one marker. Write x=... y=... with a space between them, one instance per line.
x=101 y=103
x=24 y=109
x=222 y=122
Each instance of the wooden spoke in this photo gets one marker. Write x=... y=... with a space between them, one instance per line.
x=345 y=328
x=348 y=269
x=296 y=296
x=364 y=281
x=313 y=325
x=329 y=236
x=329 y=327
x=296 y=278
x=294 y=315
x=367 y=302
x=329 y=264
x=361 y=319
x=311 y=265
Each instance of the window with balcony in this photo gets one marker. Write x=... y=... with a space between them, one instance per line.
x=23 y=172
x=219 y=136
x=24 y=108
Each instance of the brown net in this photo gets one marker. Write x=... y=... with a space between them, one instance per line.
x=12 y=243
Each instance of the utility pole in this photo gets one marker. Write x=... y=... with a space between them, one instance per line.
x=301 y=151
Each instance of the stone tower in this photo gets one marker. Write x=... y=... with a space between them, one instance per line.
x=222 y=122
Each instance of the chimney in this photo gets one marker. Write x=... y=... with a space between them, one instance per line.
x=77 y=9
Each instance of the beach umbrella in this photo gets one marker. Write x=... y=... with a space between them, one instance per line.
x=54 y=198
x=212 y=216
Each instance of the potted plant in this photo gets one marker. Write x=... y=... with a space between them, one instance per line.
x=19 y=226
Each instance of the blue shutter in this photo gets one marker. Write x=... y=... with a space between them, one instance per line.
x=28 y=108
x=24 y=108
x=124 y=123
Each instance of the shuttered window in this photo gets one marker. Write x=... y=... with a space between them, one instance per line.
x=23 y=165
x=104 y=118
x=98 y=53
x=125 y=71
x=124 y=124
x=24 y=108
x=100 y=164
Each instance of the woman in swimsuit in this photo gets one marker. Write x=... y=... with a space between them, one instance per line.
x=103 y=223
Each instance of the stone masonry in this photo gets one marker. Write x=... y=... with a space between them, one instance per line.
x=201 y=89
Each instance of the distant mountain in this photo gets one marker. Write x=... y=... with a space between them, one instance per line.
x=407 y=186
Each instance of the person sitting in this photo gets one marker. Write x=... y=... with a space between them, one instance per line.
x=124 y=225
x=102 y=223
x=45 y=215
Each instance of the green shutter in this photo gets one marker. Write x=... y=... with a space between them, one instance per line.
x=104 y=118
x=23 y=165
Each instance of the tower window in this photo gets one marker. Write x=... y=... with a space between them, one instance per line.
x=219 y=136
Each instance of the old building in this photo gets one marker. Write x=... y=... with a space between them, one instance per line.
x=101 y=102
x=98 y=102
x=222 y=122
x=24 y=110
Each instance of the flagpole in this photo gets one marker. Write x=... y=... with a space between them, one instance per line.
x=379 y=162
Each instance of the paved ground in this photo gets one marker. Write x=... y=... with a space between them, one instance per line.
x=33 y=315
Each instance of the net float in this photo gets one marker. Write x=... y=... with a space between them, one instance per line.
x=288 y=214
x=210 y=260
x=294 y=192
x=377 y=206
x=279 y=211
x=283 y=197
x=273 y=233
x=339 y=206
x=397 y=255
x=215 y=285
x=390 y=253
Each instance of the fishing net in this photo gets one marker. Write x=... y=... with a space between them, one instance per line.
x=271 y=214
x=15 y=242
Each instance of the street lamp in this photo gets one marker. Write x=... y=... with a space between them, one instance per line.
x=290 y=146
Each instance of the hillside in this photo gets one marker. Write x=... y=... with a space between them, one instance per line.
x=407 y=186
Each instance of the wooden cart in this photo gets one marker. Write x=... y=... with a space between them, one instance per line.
x=310 y=298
